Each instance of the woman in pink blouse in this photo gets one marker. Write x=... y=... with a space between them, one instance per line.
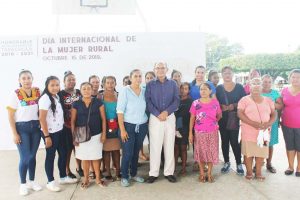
x=291 y=121
x=205 y=114
x=257 y=114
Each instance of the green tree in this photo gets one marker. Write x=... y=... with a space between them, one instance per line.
x=218 y=48
x=273 y=64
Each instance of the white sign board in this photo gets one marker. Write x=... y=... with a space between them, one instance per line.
x=85 y=55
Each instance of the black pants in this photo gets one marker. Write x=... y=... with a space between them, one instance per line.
x=230 y=137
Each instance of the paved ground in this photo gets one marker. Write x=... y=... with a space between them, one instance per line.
x=229 y=186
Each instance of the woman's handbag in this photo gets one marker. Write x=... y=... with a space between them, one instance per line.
x=83 y=133
x=233 y=122
x=112 y=128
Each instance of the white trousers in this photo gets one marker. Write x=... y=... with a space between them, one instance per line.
x=162 y=134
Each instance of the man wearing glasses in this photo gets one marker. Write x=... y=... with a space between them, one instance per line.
x=162 y=97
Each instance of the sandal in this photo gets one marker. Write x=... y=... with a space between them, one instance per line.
x=210 y=179
x=271 y=169
x=202 y=179
x=84 y=186
x=144 y=157
x=288 y=172
x=260 y=178
x=297 y=174
x=110 y=178
x=182 y=172
x=249 y=177
x=101 y=183
x=92 y=175
x=118 y=177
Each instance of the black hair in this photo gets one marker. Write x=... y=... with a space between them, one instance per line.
x=150 y=72
x=93 y=76
x=211 y=73
x=131 y=73
x=127 y=77
x=24 y=71
x=174 y=72
x=294 y=71
x=46 y=91
x=103 y=82
x=198 y=67
x=85 y=83
x=207 y=85
x=226 y=67
x=66 y=74
x=185 y=83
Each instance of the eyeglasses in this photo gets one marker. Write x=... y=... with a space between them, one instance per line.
x=256 y=84
x=160 y=68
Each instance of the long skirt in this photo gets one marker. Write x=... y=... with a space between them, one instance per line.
x=206 y=147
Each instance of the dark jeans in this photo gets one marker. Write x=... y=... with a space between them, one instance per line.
x=30 y=134
x=132 y=147
x=59 y=145
x=230 y=137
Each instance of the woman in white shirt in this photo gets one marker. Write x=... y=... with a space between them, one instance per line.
x=23 y=118
x=52 y=121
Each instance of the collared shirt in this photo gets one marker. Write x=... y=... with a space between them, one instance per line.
x=133 y=106
x=162 y=96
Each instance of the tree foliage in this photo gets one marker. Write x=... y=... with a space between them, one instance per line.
x=273 y=64
x=218 y=48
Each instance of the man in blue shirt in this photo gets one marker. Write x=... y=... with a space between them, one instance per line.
x=162 y=97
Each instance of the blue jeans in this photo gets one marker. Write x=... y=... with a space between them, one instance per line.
x=59 y=145
x=30 y=134
x=131 y=148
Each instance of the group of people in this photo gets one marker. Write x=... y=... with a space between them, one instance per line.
x=171 y=113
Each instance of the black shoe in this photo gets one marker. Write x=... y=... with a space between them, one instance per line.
x=171 y=178
x=288 y=172
x=71 y=175
x=80 y=172
x=151 y=179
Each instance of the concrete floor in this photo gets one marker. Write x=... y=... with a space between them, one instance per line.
x=228 y=186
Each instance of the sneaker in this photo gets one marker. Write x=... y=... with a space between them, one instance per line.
x=177 y=134
x=226 y=168
x=67 y=180
x=137 y=179
x=124 y=182
x=23 y=190
x=240 y=170
x=33 y=186
x=53 y=187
